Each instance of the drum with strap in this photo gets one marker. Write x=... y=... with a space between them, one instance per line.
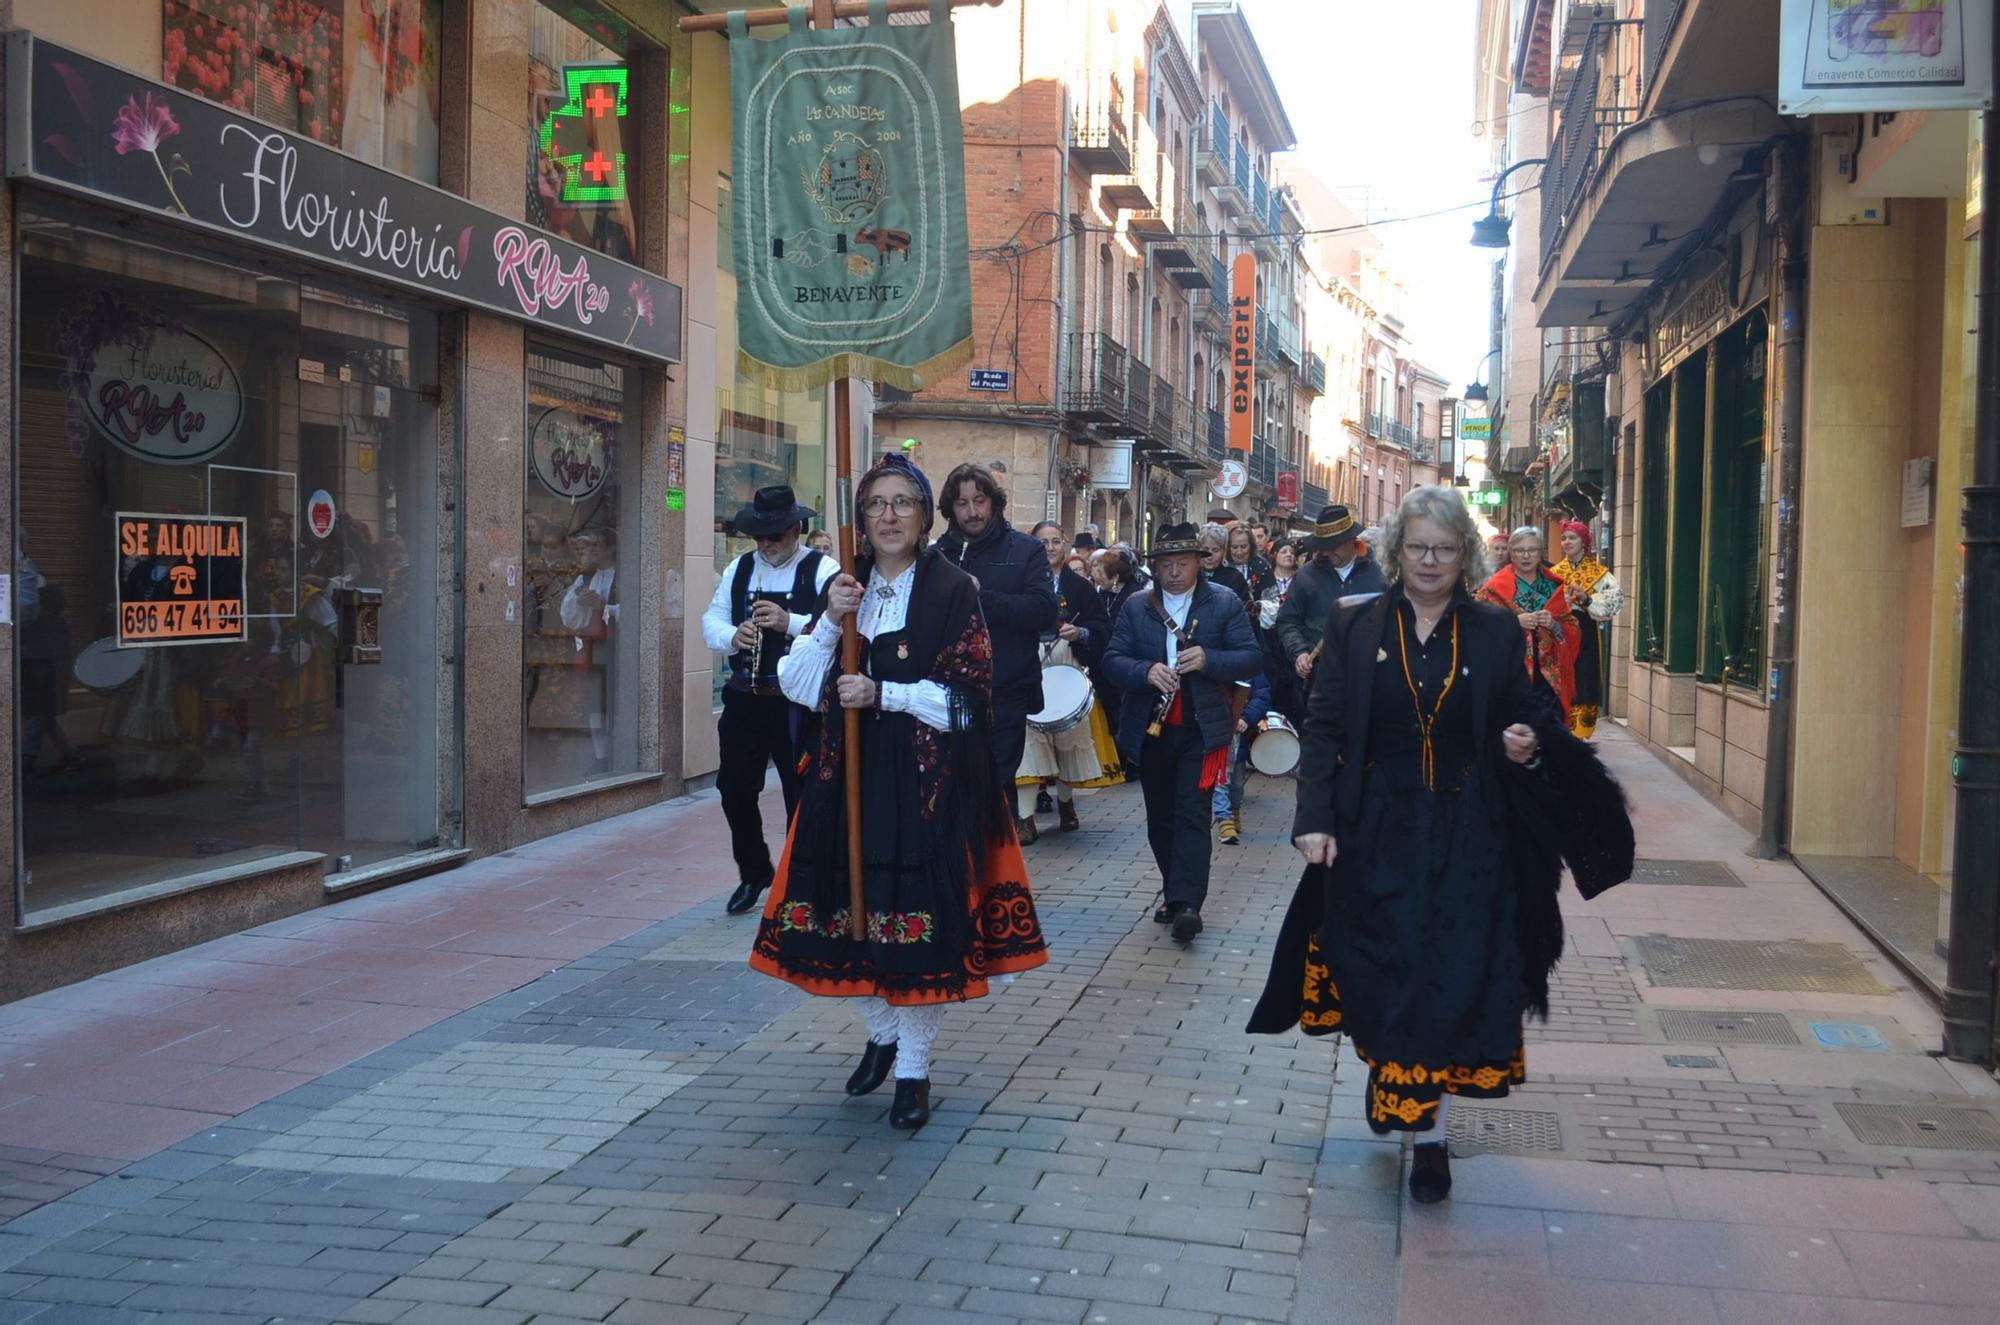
x=1067 y=699
x=1274 y=751
x=103 y=668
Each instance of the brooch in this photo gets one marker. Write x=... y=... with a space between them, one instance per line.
x=1381 y=655
x=902 y=648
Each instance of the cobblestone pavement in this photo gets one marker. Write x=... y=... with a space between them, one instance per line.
x=650 y=1132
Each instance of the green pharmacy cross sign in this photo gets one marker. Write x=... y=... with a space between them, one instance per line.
x=575 y=133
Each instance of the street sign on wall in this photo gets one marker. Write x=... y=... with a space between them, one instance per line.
x=1242 y=352
x=1861 y=56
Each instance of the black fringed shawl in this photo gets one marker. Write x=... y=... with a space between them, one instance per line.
x=964 y=805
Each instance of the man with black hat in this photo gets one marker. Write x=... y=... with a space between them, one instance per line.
x=1338 y=570
x=1176 y=652
x=764 y=600
x=1011 y=571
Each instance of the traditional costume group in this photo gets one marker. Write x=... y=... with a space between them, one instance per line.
x=1068 y=742
x=947 y=902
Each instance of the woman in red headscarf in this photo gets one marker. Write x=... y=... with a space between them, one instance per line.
x=1597 y=597
x=1537 y=599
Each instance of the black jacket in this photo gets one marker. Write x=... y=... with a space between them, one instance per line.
x=1019 y=601
x=1077 y=602
x=1232 y=579
x=1139 y=639
x=1315 y=590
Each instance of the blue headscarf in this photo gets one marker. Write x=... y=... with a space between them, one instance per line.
x=897 y=465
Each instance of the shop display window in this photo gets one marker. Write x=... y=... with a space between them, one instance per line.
x=227 y=486
x=359 y=75
x=584 y=165
x=580 y=653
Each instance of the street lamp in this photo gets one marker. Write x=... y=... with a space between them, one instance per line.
x=1476 y=389
x=1490 y=230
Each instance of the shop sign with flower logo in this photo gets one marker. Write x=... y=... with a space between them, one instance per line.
x=572 y=454
x=89 y=128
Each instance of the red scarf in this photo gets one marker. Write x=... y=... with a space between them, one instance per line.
x=1553 y=653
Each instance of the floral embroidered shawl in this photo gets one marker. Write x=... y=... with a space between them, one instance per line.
x=1553 y=657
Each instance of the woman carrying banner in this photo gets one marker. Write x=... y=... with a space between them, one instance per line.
x=946 y=892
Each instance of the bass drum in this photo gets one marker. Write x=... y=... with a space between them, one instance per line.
x=103 y=668
x=1066 y=699
x=1274 y=751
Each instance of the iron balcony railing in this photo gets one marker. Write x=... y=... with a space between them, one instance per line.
x=1312 y=500
x=1263 y=462
x=1240 y=173
x=1169 y=425
x=1315 y=372
x=1260 y=199
x=1377 y=424
x=1139 y=391
x=1288 y=340
x=1267 y=336
x=1400 y=434
x=1218 y=434
x=1602 y=98
x=1425 y=451
x=1661 y=16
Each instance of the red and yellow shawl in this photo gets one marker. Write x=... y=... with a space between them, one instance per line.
x=1552 y=650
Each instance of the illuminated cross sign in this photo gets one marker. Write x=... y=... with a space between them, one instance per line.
x=585 y=135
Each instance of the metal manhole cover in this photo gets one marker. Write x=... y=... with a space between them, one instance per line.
x=1692 y=873
x=1502 y=1129
x=1691 y=1060
x=1823 y=968
x=1918 y=1126
x=1708 y=1026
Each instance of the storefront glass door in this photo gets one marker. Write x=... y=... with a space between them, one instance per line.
x=163 y=392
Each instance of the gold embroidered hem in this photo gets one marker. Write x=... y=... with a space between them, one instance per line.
x=1320 y=1011
x=1404 y=1098
x=1582 y=721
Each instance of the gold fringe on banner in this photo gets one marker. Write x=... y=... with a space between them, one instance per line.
x=867 y=367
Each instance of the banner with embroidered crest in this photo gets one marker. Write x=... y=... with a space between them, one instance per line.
x=849 y=173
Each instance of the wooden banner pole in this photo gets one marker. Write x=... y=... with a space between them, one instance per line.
x=764 y=18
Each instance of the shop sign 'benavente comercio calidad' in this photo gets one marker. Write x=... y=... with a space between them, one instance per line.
x=90 y=128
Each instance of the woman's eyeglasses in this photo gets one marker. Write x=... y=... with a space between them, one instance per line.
x=1442 y=553
x=902 y=504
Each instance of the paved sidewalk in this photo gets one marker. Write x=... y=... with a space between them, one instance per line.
x=545 y=1088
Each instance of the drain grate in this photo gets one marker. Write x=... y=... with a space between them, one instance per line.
x=1502 y=1129
x=1691 y=1060
x=1690 y=873
x=1919 y=1126
x=1708 y=1026
x=1821 y=968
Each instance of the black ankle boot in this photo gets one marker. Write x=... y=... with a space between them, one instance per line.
x=876 y=1060
x=911 y=1108
x=1430 y=1173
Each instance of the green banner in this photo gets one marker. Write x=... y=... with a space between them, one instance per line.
x=849 y=195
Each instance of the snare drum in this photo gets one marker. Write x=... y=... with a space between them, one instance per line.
x=104 y=668
x=1274 y=751
x=1066 y=699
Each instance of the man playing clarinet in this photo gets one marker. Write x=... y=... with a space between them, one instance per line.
x=764 y=600
x=1176 y=650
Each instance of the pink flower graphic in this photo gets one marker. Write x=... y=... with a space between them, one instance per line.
x=142 y=126
x=642 y=306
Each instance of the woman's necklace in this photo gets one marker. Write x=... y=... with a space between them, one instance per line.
x=1426 y=722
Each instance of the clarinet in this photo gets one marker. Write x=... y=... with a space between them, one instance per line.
x=756 y=645
x=1185 y=638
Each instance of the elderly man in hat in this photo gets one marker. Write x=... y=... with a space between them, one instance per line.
x=764 y=600
x=1338 y=570
x=1177 y=651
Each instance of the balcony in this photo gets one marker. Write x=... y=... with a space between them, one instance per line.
x=1139 y=395
x=1218 y=434
x=1267 y=337
x=1211 y=302
x=1315 y=373
x=1312 y=500
x=1265 y=236
x=1211 y=152
x=1400 y=434
x=1099 y=140
x=1377 y=424
x=1288 y=341
x=1620 y=175
x=1263 y=461
x=1098 y=389
x=1234 y=193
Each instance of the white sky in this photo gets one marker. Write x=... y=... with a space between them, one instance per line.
x=1380 y=96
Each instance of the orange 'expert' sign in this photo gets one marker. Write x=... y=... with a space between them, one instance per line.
x=1242 y=351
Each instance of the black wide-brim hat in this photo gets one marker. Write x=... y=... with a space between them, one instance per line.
x=1174 y=540
x=1334 y=528
x=771 y=511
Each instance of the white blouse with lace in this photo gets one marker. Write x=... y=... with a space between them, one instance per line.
x=885 y=606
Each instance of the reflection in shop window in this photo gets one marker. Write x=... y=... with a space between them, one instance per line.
x=144 y=766
x=580 y=647
x=359 y=75
x=762 y=436
x=584 y=162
